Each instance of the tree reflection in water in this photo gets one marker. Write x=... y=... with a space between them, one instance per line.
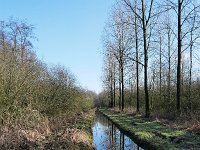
x=106 y=136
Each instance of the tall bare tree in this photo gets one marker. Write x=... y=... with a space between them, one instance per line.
x=144 y=15
x=178 y=94
x=184 y=10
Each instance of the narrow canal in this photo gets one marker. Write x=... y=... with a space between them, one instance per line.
x=106 y=136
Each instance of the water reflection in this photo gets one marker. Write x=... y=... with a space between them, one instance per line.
x=106 y=136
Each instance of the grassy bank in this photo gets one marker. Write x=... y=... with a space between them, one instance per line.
x=153 y=134
x=59 y=133
x=74 y=134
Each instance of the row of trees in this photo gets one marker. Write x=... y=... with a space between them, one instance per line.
x=161 y=40
x=30 y=91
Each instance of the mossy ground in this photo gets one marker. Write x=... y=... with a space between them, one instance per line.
x=152 y=134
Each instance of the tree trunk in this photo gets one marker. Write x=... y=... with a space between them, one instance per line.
x=160 y=72
x=114 y=88
x=137 y=65
x=178 y=95
x=122 y=88
x=169 y=66
x=190 y=72
x=111 y=91
x=147 y=111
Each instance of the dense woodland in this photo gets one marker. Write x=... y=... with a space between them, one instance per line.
x=34 y=98
x=152 y=58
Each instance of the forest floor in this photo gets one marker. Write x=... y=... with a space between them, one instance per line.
x=73 y=134
x=153 y=133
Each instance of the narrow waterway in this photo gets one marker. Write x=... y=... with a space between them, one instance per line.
x=106 y=136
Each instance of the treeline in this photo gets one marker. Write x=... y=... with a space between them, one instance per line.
x=151 y=57
x=33 y=96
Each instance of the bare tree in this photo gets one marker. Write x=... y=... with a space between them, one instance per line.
x=120 y=43
x=184 y=10
x=144 y=15
x=178 y=94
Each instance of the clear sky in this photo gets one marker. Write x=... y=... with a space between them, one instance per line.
x=69 y=33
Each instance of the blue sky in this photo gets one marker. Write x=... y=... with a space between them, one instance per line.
x=69 y=33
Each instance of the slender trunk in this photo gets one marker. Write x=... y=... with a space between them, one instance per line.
x=147 y=111
x=178 y=98
x=153 y=88
x=110 y=83
x=182 y=76
x=122 y=88
x=169 y=66
x=137 y=65
x=160 y=67
x=114 y=88
x=190 y=72
x=111 y=92
x=131 y=91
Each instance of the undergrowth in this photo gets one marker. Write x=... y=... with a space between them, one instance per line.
x=29 y=129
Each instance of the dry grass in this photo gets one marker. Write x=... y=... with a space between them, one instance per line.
x=26 y=126
x=31 y=130
x=191 y=124
x=78 y=136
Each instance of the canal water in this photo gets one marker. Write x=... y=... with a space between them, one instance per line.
x=106 y=136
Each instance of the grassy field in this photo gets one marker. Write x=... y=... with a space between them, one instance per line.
x=152 y=134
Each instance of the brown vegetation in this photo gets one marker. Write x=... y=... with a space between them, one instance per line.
x=36 y=100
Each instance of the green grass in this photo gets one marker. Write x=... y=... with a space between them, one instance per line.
x=151 y=134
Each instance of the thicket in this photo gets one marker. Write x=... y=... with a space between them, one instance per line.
x=35 y=99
